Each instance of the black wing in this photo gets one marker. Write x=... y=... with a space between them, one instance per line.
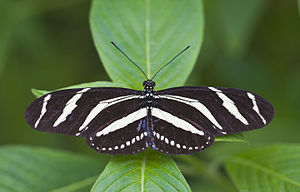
x=85 y=112
x=217 y=111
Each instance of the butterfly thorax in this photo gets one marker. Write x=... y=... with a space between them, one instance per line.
x=148 y=91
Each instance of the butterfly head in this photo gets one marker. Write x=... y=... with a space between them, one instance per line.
x=148 y=85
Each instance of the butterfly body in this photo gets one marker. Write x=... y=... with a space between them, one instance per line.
x=148 y=126
x=180 y=120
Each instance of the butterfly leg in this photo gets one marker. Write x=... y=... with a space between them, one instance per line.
x=141 y=123
x=149 y=129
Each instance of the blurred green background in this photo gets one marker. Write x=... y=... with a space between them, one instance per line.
x=252 y=45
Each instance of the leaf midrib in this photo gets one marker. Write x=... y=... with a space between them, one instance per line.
x=147 y=39
x=143 y=173
x=257 y=166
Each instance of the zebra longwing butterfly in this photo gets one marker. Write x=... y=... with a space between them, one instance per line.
x=180 y=120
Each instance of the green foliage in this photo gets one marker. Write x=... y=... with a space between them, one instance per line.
x=147 y=171
x=271 y=168
x=41 y=169
x=47 y=43
x=232 y=138
x=151 y=32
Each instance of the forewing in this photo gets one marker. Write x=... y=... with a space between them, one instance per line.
x=217 y=110
x=81 y=112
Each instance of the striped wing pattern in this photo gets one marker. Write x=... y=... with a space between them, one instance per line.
x=181 y=120
x=220 y=111
x=80 y=111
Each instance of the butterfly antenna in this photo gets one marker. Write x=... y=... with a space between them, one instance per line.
x=129 y=59
x=170 y=61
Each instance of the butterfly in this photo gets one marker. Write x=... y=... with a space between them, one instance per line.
x=179 y=120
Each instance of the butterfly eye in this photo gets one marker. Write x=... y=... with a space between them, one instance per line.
x=144 y=83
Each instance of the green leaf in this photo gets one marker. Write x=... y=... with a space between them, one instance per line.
x=147 y=171
x=270 y=168
x=40 y=169
x=150 y=32
x=38 y=93
x=239 y=137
